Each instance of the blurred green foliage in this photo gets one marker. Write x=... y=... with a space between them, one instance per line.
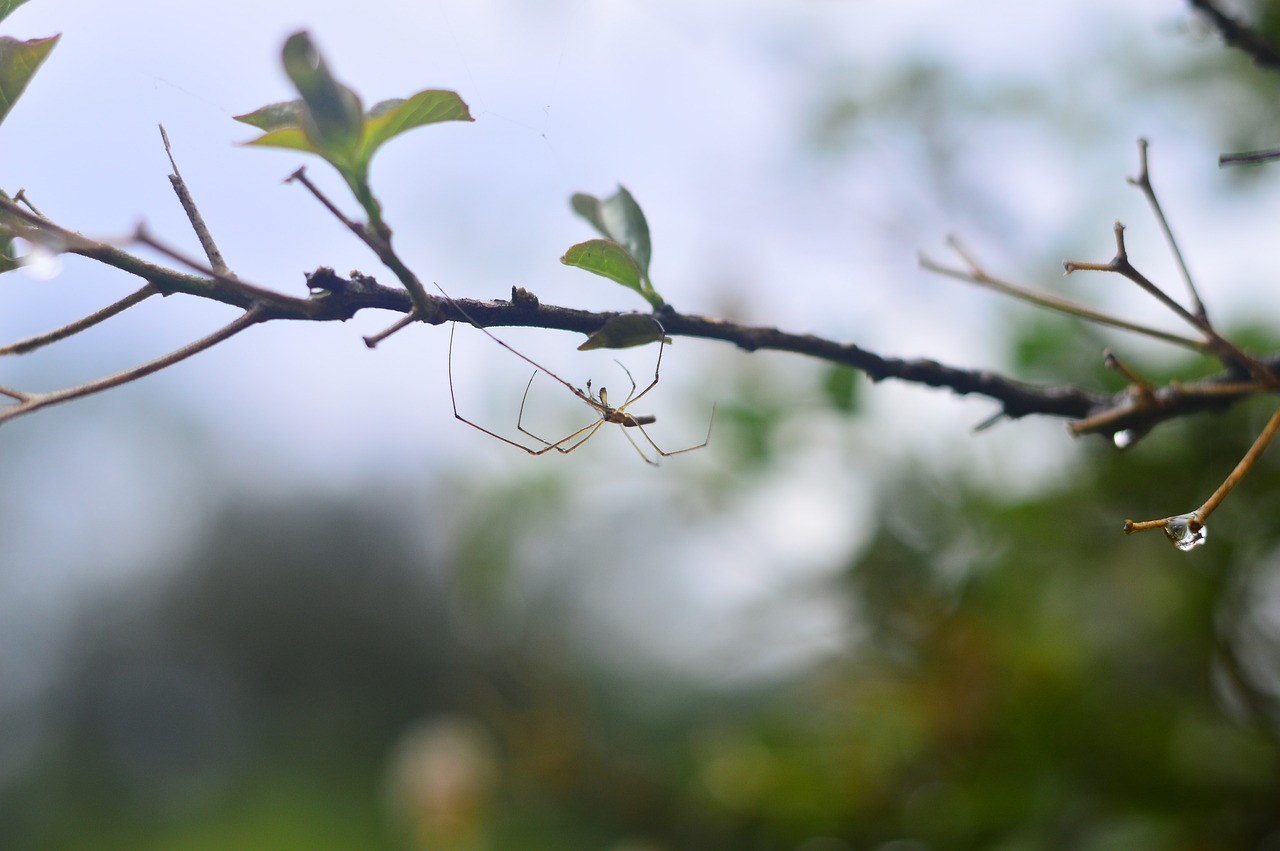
x=1017 y=674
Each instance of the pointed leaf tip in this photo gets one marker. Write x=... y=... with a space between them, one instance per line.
x=606 y=258
x=7 y=6
x=19 y=61
x=624 y=331
x=390 y=118
x=333 y=119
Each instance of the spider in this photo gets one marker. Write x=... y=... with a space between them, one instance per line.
x=598 y=402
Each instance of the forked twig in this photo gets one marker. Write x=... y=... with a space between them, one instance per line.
x=1227 y=351
x=193 y=214
x=423 y=306
x=1143 y=182
x=30 y=344
x=28 y=402
x=1188 y=531
x=975 y=274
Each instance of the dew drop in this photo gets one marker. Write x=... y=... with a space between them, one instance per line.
x=1123 y=439
x=1186 y=532
x=38 y=259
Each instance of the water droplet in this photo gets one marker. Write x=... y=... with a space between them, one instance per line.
x=1186 y=532
x=39 y=259
x=1123 y=439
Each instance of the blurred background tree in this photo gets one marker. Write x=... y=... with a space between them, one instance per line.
x=831 y=635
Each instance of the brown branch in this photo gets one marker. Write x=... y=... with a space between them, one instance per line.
x=1228 y=352
x=380 y=244
x=1143 y=182
x=28 y=402
x=193 y=214
x=30 y=344
x=1240 y=36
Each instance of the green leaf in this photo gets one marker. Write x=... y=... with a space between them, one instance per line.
x=333 y=119
x=624 y=331
x=275 y=116
x=7 y=7
x=620 y=219
x=18 y=63
x=292 y=138
x=7 y=261
x=606 y=258
x=390 y=118
x=588 y=207
x=841 y=386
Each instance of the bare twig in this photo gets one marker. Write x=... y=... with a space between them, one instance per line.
x=1194 y=523
x=249 y=292
x=425 y=306
x=1143 y=182
x=193 y=214
x=22 y=198
x=1140 y=384
x=1227 y=351
x=1250 y=157
x=70 y=329
x=975 y=274
x=29 y=402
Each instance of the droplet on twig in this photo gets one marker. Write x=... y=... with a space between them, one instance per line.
x=1123 y=439
x=39 y=259
x=1186 y=532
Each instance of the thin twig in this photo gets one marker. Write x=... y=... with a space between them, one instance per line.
x=22 y=198
x=372 y=340
x=30 y=402
x=254 y=294
x=1242 y=469
x=976 y=275
x=1144 y=387
x=1250 y=157
x=72 y=328
x=1197 y=519
x=1143 y=182
x=193 y=214
x=425 y=306
x=1226 y=350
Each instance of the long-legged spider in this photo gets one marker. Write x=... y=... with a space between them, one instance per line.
x=598 y=401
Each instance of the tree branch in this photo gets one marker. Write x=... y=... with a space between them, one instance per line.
x=1240 y=36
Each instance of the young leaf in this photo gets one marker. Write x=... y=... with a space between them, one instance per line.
x=841 y=386
x=624 y=331
x=275 y=116
x=606 y=258
x=7 y=6
x=286 y=137
x=333 y=119
x=626 y=225
x=620 y=219
x=7 y=263
x=392 y=117
x=588 y=207
x=18 y=63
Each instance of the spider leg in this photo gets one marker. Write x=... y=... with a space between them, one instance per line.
x=454 y=399
x=457 y=306
x=559 y=445
x=657 y=368
x=656 y=448
x=636 y=447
